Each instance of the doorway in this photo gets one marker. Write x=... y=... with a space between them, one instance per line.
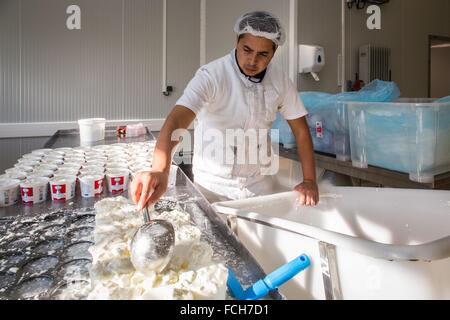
x=439 y=67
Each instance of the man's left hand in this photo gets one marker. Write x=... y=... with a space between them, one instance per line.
x=309 y=193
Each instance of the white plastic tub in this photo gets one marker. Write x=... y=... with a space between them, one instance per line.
x=34 y=190
x=91 y=185
x=408 y=135
x=377 y=243
x=63 y=188
x=118 y=180
x=92 y=129
x=9 y=192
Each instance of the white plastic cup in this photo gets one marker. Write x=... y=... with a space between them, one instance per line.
x=92 y=129
x=91 y=185
x=34 y=190
x=63 y=188
x=118 y=180
x=9 y=192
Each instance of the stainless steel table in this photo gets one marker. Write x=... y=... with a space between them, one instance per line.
x=68 y=225
x=380 y=176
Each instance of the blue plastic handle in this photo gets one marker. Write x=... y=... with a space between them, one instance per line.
x=286 y=272
x=272 y=281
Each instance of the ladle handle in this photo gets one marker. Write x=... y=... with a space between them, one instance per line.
x=146 y=214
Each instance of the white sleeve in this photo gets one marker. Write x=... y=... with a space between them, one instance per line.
x=199 y=92
x=292 y=106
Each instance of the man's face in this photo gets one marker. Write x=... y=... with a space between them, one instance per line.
x=254 y=54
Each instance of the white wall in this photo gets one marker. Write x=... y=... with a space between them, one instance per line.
x=50 y=76
x=221 y=17
x=440 y=72
x=319 y=23
x=406 y=25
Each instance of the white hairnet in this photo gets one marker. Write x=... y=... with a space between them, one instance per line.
x=261 y=24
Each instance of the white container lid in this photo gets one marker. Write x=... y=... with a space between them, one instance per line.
x=41 y=173
x=17 y=175
x=63 y=179
x=41 y=151
x=47 y=166
x=117 y=172
x=63 y=149
x=27 y=163
x=91 y=177
x=91 y=121
x=26 y=169
x=7 y=184
x=66 y=172
x=34 y=182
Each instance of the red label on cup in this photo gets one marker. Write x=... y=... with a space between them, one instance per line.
x=98 y=186
x=27 y=195
x=59 y=192
x=117 y=181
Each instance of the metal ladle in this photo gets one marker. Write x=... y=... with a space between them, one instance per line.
x=152 y=244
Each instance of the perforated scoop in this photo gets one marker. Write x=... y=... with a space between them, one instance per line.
x=152 y=245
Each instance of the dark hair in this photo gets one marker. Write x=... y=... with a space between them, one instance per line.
x=274 y=46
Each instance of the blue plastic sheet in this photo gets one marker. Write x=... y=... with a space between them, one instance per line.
x=445 y=99
x=324 y=113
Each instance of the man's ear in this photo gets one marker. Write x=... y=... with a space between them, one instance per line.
x=275 y=47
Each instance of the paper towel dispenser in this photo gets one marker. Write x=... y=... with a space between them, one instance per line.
x=311 y=59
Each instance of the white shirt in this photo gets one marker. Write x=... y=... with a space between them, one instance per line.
x=222 y=99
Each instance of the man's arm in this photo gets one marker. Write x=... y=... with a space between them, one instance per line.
x=309 y=193
x=148 y=187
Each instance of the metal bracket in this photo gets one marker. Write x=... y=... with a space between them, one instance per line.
x=330 y=274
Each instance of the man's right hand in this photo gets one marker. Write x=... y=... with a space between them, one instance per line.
x=147 y=187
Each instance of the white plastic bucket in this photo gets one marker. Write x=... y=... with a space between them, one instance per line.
x=34 y=190
x=63 y=188
x=118 y=180
x=9 y=192
x=91 y=185
x=92 y=129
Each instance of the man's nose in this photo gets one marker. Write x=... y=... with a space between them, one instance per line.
x=253 y=60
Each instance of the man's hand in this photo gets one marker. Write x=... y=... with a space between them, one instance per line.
x=147 y=187
x=309 y=193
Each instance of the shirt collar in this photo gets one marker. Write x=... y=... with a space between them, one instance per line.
x=253 y=80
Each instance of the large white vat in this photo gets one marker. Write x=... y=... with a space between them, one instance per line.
x=364 y=243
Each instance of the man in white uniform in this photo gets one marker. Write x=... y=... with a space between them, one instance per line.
x=235 y=96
